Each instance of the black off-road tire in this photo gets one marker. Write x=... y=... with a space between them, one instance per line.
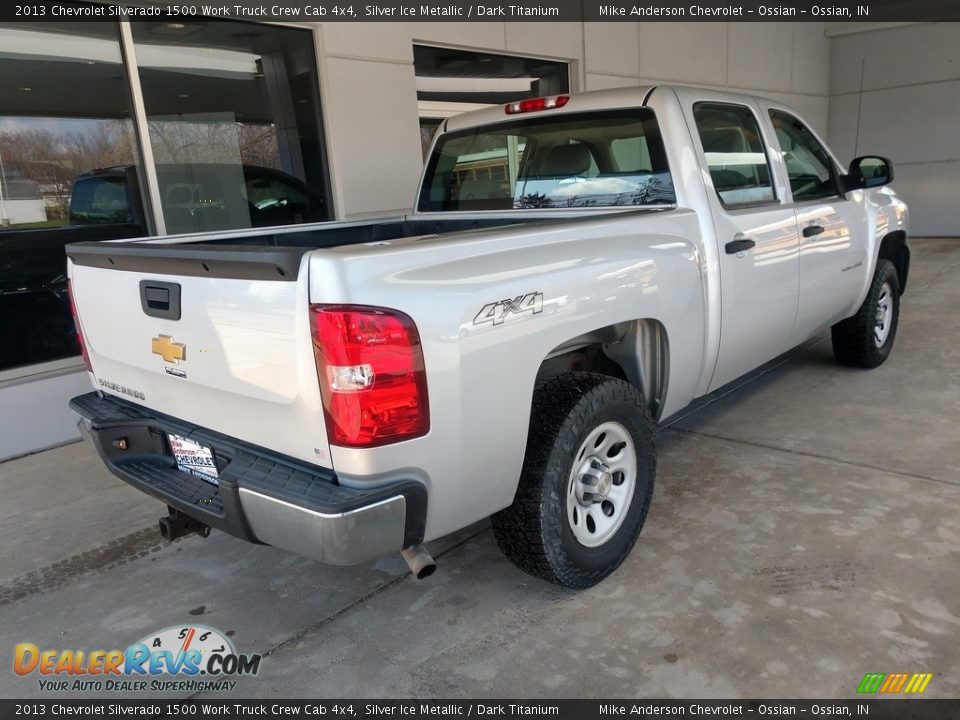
x=534 y=532
x=854 y=343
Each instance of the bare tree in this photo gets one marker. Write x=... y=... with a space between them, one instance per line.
x=178 y=142
x=52 y=160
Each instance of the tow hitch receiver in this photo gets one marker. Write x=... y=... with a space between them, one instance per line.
x=176 y=525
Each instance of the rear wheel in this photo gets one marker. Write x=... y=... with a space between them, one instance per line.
x=586 y=483
x=865 y=340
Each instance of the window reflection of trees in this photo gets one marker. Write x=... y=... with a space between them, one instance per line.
x=51 y=159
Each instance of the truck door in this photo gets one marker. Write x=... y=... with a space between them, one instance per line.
x=833 y=229
x=757 y=237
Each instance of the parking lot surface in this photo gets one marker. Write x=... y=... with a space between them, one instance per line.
x=805 y=530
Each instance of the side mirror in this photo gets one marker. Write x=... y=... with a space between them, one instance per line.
x=869 y=171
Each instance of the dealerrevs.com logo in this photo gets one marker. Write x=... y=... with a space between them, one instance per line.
x=177 y=659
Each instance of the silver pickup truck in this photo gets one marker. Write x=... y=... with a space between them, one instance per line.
x=577 y=270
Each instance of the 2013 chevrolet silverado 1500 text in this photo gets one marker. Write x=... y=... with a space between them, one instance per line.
x=577 y=269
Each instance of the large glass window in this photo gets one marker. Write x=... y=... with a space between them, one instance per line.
x=584 y=160
x=234 y=124
x=809 y=167
x=735 y=153
x=65 y=130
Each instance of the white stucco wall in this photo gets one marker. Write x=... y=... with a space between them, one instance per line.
x=35 y=415
x=896 y=92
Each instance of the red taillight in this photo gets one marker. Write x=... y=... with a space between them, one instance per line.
x=370 y=366
x=77 y=329
x=535 y=104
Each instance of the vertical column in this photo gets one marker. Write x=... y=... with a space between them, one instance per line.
x=154 y=213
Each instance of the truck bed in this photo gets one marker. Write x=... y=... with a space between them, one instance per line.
x=274 y=254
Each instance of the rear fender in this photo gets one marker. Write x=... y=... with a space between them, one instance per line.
x=491 y=306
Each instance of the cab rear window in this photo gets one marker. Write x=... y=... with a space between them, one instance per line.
x=608 y=159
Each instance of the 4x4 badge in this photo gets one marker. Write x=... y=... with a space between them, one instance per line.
x=497 y=312
x=170 y=351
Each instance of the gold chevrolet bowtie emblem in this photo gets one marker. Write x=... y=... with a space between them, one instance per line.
x=170 y=351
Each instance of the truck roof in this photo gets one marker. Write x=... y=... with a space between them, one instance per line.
x=578 y=102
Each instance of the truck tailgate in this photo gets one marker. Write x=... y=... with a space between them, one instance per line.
x=218 y=338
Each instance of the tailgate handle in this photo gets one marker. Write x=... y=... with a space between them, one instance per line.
x=160 y=299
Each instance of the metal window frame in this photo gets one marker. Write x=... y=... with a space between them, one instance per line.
x=153 y=209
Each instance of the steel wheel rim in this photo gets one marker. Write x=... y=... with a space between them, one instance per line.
x=884 y=316
x=601 y=485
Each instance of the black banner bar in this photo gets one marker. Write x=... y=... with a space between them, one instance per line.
x=869 y=707
x=488 y=10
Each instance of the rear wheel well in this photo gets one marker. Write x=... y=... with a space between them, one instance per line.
x=894 y=248
x=634 y=351
x=588 y=358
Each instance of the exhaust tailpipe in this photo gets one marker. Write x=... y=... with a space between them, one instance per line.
x=176 y=525
x=419 y=561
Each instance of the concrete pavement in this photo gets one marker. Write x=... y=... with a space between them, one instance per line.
x=804 y=531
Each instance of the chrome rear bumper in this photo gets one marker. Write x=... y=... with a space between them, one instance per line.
x=343 y=538
x=262 y=497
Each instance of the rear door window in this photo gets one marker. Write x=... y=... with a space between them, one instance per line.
x=735 y=153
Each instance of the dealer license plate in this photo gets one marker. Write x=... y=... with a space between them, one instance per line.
x=194 y=458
